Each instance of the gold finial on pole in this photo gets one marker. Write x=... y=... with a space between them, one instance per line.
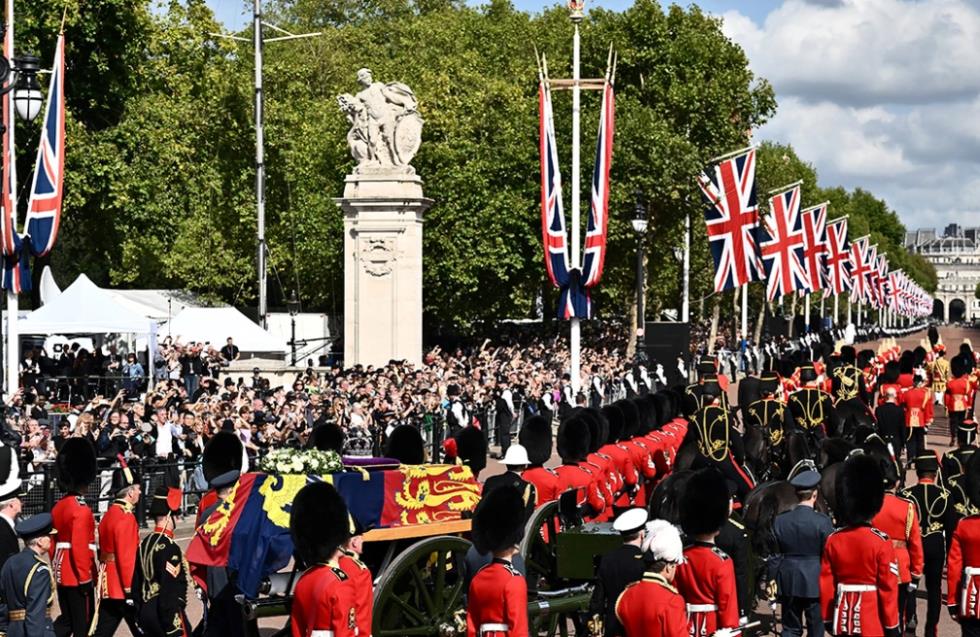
x=577 y=9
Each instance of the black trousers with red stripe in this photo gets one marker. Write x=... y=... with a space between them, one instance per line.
x=77 y=605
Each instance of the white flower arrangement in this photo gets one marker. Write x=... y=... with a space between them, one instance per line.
x=301 y=461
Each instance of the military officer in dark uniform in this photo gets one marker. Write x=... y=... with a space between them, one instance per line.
x=890 y=416
x=937 y=521
x=800 y=535
x=161 y=578
x=847 y=381
x=733 y=539
x=11 y=491
x=617 y=569
x=719 y=443
x=954 y=461
x=223 y=617
x=770 y=415
x=812 y=409
x=26 y=583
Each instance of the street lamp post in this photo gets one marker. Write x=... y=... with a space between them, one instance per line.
x=639 y=223
x=292 y=305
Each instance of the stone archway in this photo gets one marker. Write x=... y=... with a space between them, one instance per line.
x=938 y=310
x=957 y=311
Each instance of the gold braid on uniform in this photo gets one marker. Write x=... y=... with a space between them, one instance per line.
x=710 y=446
x=808 y=410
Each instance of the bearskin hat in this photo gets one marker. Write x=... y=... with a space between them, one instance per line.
x=76 y=464
x=222 y=454
x=865 y=357
x=535 y=436
x=704 y=506
x=661 y=401
x=498 y=521
x=573 y=439
x=319 y=522
x=405 y=445
x=598 y=428
x=614 y=416
x=631 y=418
x=860 y=490
x=890 y=374
x=958 y=366
x=649 y=419
x=973 y=479
x=919 y=356
x=471 y=445
x=847 y=355
x=906 y=363
x=327 y=437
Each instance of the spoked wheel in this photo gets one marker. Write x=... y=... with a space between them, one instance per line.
x=421 y=592
x=539 y=550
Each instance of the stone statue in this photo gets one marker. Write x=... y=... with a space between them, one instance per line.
x=385 y=127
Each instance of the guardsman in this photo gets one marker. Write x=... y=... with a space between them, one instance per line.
x=628 y=477
x=812 y=409
x=516 y=461
x=918 y=416
x=899 y=520
x=73 y=560
x=719 y=443
x=959 y=394
x=800 y=534
x=535 y=437
x=26 y=581
x=859 y=570
x=497 y=601
x=162 y=576
x=939 y=371
x=223 y=617
x=963 y=561
x=222 y=453
x=847 y=379
x=360 y=577
x=119 y=539
x=617 y=569
x=324 y=599
x=706 y=579
x=769 y=414
x=936 y=521
x=573 y=446
x=652 y=607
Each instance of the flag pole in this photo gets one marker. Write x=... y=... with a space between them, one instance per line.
x=686 y=301
x=745 y=310
x=575 y=335
x=12 y=376
x=836 y=307
x=807 y=310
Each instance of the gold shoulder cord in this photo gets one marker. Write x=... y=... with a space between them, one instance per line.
x=710 y=446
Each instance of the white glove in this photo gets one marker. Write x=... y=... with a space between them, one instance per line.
x=726 y=632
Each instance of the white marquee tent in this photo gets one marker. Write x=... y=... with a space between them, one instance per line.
x=215 y=324
x=85 y=308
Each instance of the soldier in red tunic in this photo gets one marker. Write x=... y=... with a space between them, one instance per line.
x=73 y=558
x=859 y=570
x=119 y=539
x=497 y=601
x=963 y=561
x=959 y=394
x=706 y=579
x=573 y=446
x=535 y=437
x=652 y=607
x=918 y=416
x=360 y=577
x=324 y=600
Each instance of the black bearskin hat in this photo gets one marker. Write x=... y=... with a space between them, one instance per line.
x=919 y=356
x=958 y=366
x=649 y=420
x=318 y=522
x=661 y=401
x=973 y=479
x=890 y=374
x=614 y=416
x=631 y=418
x=573 y=439
x=847 y=355
x=535 y=437
x=76 y=464
x=222 y=454
x=860 y=490
x=498 y=521
x=906 y=363
x=405 y=445
x=471 y=447
x=865 y=357
x=598 y=430
x=704 y=506
x=327 y=437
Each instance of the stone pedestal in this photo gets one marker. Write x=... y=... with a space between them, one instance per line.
x=383 y=216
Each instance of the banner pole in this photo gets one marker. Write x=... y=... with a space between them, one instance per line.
x=575 y=336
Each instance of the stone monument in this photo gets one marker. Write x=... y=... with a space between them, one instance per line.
x=383 y=210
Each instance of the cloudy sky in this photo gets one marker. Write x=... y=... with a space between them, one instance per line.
x=883 y=94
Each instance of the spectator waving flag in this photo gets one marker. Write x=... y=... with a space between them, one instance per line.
x=814 y=245
x=595 y=237
x=838 y=260
x=732 y=220
x=44 y=207
x=781 y=244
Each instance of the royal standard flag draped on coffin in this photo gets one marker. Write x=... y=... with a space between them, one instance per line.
x=249 y=531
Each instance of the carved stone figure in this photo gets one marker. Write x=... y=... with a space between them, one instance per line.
x=386 y=128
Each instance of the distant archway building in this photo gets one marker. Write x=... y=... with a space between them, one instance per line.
x=956 y=257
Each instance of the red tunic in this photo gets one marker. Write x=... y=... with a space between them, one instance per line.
x=963 y=590
x=859 y=582
x=324 y=600
x=545 y=483
x=363 y=583
x=652 y=608
x=899 y=520
x=497 y=602
x=119 y=539
x=958 y=394
x=623 y=465
x=578 y=477
x=706 y=581
x=73 y=545
x=918 y=407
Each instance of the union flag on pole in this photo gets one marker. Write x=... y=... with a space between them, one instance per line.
x=859 y=270
x=595 y=237
x=552 y=212
x=838 y=260
x=814 y=245
x=781 y=244
x=732 y=220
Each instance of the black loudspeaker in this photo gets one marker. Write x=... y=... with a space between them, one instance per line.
x=664 y=342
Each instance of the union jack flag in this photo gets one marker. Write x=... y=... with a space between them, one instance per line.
x=44 y=206
x=896 y=292
x=595 y=237
x=10 y=240
x=814 y=245
x=871 y=288
x=732 y=221
x=838 y=261
x=881 y=277
x=782 y=245
x=859 y=270
x=552 y=212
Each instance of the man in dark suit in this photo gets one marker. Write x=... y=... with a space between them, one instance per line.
x=10 y=504
x=800 y=534
x=890 y=416
x=617 y=569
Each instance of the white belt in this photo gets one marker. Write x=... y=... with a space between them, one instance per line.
x=321 y=633
x=494 y=628
x=67 y=545
x=701 y=608
x=856 y=588
x=971 y=570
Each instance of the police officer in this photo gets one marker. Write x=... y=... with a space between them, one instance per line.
x=516 y=461
x=118 y=543
x=25 y=581
x=617 y=569
x=936 y=520
x=74 y=529
x=652 y=607
x=800 y=535
x=223 y=616
x=161 y=577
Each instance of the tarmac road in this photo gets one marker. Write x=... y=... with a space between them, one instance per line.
x=937 y=439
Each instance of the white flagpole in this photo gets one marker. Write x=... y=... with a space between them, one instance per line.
x=575 y=336
x=806 y=319
x=13 y=333
x=745 y=310
x=836 y=307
